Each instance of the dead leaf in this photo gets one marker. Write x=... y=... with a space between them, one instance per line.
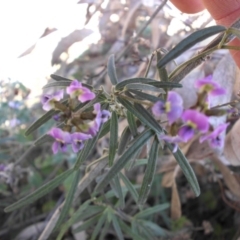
x=66 y=42
x=207 y=227
x=176 y=211
x=167 y=180
x=228 y=176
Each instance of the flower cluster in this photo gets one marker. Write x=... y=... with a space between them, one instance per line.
x=78 y=126
x=193 y=120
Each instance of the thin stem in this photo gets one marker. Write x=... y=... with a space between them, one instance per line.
x=192 y=60
x=149 y=65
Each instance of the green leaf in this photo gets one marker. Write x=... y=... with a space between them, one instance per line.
x=165 y=84
x=152 y=210
x=43 y=139
x=112 y=70
x=149 y=173
x=105 y=129
x=113 y=141
x=59 y=78
x=129 y=231
x=144 y=87
x=155 y=229
x=146 y=96
x=63 y=84
x=104 y=230
x=119 y=191
x=132 y=124
x=43 y=190
x=39 y=122
x=88 y=147
x=127 y=155
x=188 y=42
x=72 y=220
x=99 y=225
x=117 y=228
x=142 y=114
x=134 y=80
x=69 y=199
x=186 y=168
x=130 y=187
x=124 y=139
x=89 y=223
x=162 y=72
x=91 y=211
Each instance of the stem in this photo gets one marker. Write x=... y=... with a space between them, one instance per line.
x=149 y=64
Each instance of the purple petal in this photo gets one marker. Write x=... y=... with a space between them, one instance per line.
x=105 y=115
x=174 y=98
x=60 y=135
x=2 y=167
x=186 y=133
x=202 y=82
x=77 y=146
x=86 y=96
x=214 y=139
x=217 y=92
x=55 y=147
x=58 y=95
x=80 y=136
x=196 y=118
x=63 y=147
x=158 y=108
x=172 y=139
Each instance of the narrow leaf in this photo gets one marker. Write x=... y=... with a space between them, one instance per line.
x=69 y=199
x=129 y=231
x=142 y=114
x=165 y=84
x=117 y=228
x=59 y=78
x=188 y=42
x=152 y=210
x=39 y=122
x=144 y=87
x=73 y=218
x=43 y=190
x=105 y=129
x=186 y=168
x=99 y=225
x=89 y=223
x=113 y=142
x=146 y=96
x=127 y=155
x=132 y=124
x=130 y=187
x=135 y=80
x=149 y=173
x=43 y=139
x=119 y=191
x=88 y=147
x=63 y=84
x=124 y=140
x=112 y=70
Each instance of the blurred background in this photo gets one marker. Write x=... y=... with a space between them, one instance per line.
x=73 y=39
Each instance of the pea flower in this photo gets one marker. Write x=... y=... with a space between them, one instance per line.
x=211 y=87
x=214 y=138
x=173 y=107
x=92 y=127
x=194 y=121
x=172 y=139
x=76 y=90
x=77 y=140
x=48 y=100
x=62 y=139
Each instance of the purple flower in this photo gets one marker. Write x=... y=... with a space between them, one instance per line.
x=172 y=139
x=48 y=100
x=214 y=138
x=76 y=90
x=207 y=85
x=173 y=107
x=2 y=167
x=194 y=120
x=77 y=140
x=62 y=139
x=105 y=115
